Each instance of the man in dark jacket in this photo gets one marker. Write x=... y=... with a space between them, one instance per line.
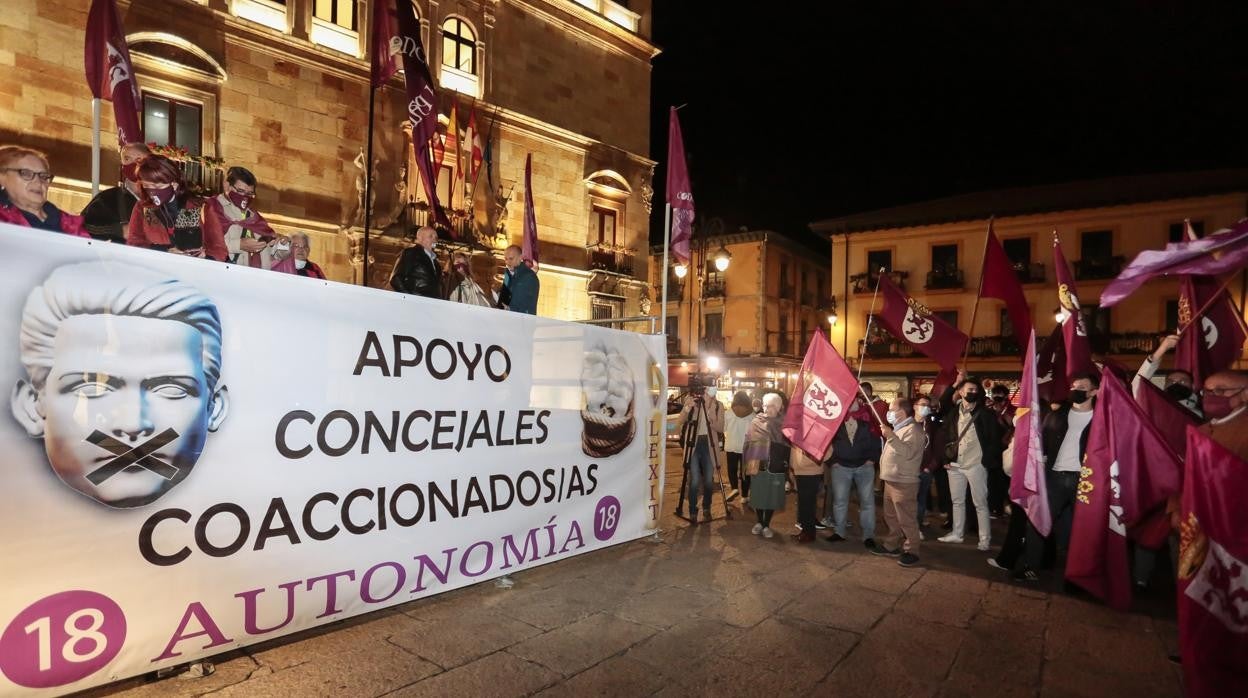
x=973 y=438
x=998 y=482
x=418 y=272
x=520 y=282
x=855 y=451
x=1064 y=438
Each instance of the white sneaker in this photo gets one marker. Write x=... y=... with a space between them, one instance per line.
x=950 y=538
x=758 y=528
x=732 y=494
x=921 y=536
x=984 y=546
x=767 y=533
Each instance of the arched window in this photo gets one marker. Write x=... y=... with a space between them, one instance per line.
x=459 y=46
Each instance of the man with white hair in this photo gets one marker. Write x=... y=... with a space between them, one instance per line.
x=123 y=369
x=298 y=262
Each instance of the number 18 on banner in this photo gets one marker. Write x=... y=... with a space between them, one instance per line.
x=61 y=639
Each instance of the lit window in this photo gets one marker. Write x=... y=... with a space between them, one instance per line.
x=270 y=13
x=602 y=226
x=334 y=26
x=167 y=121
x=338 y=12
x=459 y=57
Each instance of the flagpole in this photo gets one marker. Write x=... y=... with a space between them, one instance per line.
x=1209 y=303
x=95 y=146
x=368 y=177
x=870 y=317
x=667 y=239
x=870 y=409
x=979 y=290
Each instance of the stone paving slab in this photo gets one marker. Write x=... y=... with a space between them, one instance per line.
x=713 y=610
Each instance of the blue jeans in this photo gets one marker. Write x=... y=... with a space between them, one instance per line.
x=925 y=486
x=862 y=478
x=701 y=475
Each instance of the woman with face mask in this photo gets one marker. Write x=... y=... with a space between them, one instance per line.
x=464 y=288
x=766 y=454
x=169 y=218
x=24 y=180
x=107 y=217
x=232 y=216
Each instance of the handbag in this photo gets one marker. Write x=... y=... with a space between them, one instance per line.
x=767 y=490
x=951 y=447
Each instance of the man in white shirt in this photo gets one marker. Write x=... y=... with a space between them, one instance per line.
x=1064 y=437
x=1179 y=384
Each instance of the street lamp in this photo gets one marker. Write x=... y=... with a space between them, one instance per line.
x=722 y=258
x=712 y=363
x=681 y=269
x=832 y=317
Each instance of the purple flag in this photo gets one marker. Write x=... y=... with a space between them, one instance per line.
x=1027 y=484
x=110 y=74
x=679 y=194
x=1074 y=327
x=422 y=106
x=1224 y=251
x=530 y=218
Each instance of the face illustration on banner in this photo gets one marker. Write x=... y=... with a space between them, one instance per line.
x=917 y=328
x=122 y=379
x=821 y=399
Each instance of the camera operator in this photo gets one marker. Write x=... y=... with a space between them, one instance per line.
x=708 y=433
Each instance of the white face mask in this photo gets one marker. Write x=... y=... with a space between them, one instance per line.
x=924 y=411
x=890 y=417
x=710 y=392
x=301 y=263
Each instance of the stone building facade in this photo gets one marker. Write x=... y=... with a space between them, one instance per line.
x=282 y=87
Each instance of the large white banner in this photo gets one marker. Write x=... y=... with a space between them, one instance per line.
x=199 y=456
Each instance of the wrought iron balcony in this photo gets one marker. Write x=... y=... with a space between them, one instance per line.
x=711 y=344
x=1128 y=343
x=865 y=282
x=944 y=279
x=1098 y=268
x=998 y=345
x=713 y=287
x=675 y=290
x=608 y=258
x=673 y=343
x=1030 y=273
x=887 y=347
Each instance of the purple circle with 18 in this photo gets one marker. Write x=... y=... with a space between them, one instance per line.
x=62 y=638
x=606 y=518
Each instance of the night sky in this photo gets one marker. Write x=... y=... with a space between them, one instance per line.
x=813 y=113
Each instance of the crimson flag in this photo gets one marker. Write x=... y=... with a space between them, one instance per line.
x=911 y=321
x=1074 y=327
x=825 y=391
x=1051 y=368
x=385 y=46
x=110 y=73
x=1213 y=571
x=422 y=106
x=679 y=193
x=473 y=139
x=1170 y=418
x=530 y=218
x=1001 y=282
x=1224 y=251
x=1027 y=482
x=1217 y=341
x=1149 y=470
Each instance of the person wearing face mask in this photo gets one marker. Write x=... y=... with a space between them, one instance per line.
x=169 y=218
x=855 y=451
x=933 y=436
x=1179 y=384
x=1225 y=398
x=107 y=217
x=972 y=448
x=1064 y=439
x=736 y=424
x=24 y=179
x=900 y=464
x=708 y=433
x=290 y=256
x=998 y=481
x=230 y=215
x=466 y=289
x=766 y=455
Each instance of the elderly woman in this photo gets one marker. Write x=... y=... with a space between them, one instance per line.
x=766 y=457
x=298 y=263
x=465 y=289
x=107 y=217
x=169 y=218
x=24 y=180
x=230 y=215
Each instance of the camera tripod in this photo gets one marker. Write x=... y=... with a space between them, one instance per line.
x=689 y=440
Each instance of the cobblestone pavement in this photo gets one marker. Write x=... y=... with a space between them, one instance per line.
x=713 y=610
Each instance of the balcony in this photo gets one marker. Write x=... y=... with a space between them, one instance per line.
x=673 y=343
x=938 y=279
x=203 y=176
x=1129 y=343
x=1030 y=273
x=865 y=282
x=998 y=345
x=609 y=258
x=713 y=287
x=711 y=344
x=1098 y=268
x=675 y=290
x=887 y=347
x=462 y=223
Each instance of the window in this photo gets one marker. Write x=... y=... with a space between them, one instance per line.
x=1177 y=233
x=877 y=259
x=270 y=13
x=602 y=226
x=714 y=325
x=444 y=184
x=949 y=316
x=168 y=121
x=785 y=287
x=1097 y=319
x=784 y=343
x=338 y=12
x=1019 y=251
x=944 y=259
x=459 y=46
x=672 y=325
x=805 y=336
x=1172 y=315
x=1096 y=245
x=605 y=309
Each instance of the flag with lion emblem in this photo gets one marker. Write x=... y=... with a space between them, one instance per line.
x=825 y=390
x=912 y=322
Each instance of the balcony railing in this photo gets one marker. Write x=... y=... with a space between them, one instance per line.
x=608 y=258
x=1030 y=273
x=675 y=290
x=1136 y=343
x=712 y=344
x=998 y=345
x=673 y=343
x=1098 y=268
x=944 y=279
x=713 y=287
x=461 y=221
x=865 y=282
x=886 y=347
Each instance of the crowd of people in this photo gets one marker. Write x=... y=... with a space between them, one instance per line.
x=926 y=453
x=152 y=207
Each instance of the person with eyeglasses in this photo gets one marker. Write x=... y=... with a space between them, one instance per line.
x=107 y=216
x=170 y=218
x=24 y=180
x=248 y=237
x=1225 y=401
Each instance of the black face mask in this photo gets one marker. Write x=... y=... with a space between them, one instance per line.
x=1078 y=397
x=971 y=398
x=1178 y=391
